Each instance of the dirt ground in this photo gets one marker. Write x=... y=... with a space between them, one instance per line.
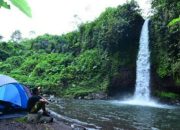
x=11 y=124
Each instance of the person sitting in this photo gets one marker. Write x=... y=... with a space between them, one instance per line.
x=36 y=103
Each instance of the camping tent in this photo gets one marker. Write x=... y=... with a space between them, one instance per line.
x=13 y=93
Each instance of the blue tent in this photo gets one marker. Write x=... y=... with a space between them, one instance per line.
x=13 y=93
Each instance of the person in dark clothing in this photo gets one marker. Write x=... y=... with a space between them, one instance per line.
x=36 y=103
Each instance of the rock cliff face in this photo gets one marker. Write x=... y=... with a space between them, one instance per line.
x=123 y=83
x=166 y=84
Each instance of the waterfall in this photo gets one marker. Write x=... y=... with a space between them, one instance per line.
x=142 y=91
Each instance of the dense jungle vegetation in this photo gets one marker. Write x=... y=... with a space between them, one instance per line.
x=165 y=47
x=79 y=62
x=96 y=57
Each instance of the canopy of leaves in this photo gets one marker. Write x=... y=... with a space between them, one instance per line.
x=166 y=38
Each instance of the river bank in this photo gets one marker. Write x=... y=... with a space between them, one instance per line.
x=16 y=124
x=20 y=121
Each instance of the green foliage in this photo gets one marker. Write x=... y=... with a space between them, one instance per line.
x=8 y=49
x=167 y=95
x=113 y=30
x=4 y=55
x=165 y=37
x=4 y=4
x=5 y=68
x=80 y=62
x=88 y=61
x=174 y=21
x=16 y=36
x=78 y=91
x=164 y=66
x=176 y=72
x=21 y=4
x=48 y=43
x=21 y=120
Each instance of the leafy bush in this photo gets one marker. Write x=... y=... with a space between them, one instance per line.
x=165 y=39
x=167 y=95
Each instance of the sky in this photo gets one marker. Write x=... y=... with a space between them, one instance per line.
x=56 y=16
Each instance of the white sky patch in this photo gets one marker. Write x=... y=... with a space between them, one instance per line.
x=55 y=16
x=145 y=5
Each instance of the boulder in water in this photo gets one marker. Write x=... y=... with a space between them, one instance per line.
x=100 y=95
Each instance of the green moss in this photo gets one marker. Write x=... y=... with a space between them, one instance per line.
x=178 y=82
x=78 y=91
x=21 y=120
x=167 y=95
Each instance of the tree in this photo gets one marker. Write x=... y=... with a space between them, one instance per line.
x=1 y=37
x=32 y=34
x=165 y=37
x=16 y=36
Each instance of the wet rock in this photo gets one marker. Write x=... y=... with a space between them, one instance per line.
x=39 y=118
x=99 y=95
x=45 y=95
x=51 y=98
x=79 y=97
x=89 y=97
x=77 y=127
x=33 y=118
x=45 y=119
x=122 y=82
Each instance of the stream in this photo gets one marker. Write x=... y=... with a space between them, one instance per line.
x=114 y=115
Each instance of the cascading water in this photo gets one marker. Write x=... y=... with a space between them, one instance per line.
x=142 y=91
